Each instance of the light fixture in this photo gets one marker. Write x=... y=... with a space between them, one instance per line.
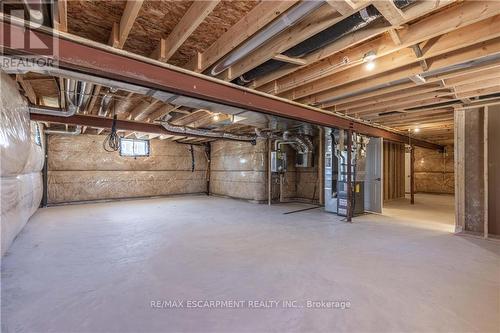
x=369 y=58
x=416 y=130
x=216 y=117
x=370 y=65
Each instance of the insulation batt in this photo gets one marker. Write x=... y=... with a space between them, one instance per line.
x=81 y=170
x=238 y=170
x=21 y=163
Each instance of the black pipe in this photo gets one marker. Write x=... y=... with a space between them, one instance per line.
x=45 y=171
x=191 y=149
x=208 y=150
x=348 y=25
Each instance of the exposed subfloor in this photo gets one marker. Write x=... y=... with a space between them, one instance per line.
x=98 y=267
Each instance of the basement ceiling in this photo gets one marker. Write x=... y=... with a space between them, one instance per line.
x=429 y=56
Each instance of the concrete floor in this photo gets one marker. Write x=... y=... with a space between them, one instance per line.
x=97 y=267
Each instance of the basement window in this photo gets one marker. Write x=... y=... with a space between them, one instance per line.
x=134 y=147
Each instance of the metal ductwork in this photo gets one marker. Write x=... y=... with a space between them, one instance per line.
x=106 y=102
x=187 y=131
x=348 y=25
x=76 y=96
x=68 y=112
x=288 y=19
x=303 y=146
x=301 y=143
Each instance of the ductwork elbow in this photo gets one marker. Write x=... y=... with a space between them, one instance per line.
x=70 y=110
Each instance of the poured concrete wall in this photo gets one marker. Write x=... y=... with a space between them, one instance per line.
x=21 y=161
x=239 y=170
x=434 y=171
x=80 y=169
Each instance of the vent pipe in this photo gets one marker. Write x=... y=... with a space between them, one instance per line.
x=348 y=25
x=288 y=19
x=76 y=95
x=187 y=131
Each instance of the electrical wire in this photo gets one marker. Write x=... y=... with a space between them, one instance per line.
x=112 y=141
x=191 y=149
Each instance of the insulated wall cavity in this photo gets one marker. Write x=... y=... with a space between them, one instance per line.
x=21 y=162
x=434 y=171
x=81 y=170
x=238 y=170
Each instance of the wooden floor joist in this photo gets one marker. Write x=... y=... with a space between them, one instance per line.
x=110 y=63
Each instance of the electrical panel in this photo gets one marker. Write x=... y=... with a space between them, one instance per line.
x=278 y=161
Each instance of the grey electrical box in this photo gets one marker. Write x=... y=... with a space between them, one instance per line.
x=278 y=161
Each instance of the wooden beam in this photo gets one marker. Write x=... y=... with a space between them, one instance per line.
x=114 y=36
x=61 y=21
x=469 y=14
x=418 y=53
x=141 y=109
x=393 y=33
x=344 y=7
x=350 y=89
x=480 y=84
x=334 y=54
x=28 y=89
x=393 y=95
x=480 y=92
x=404 y=68
x=350 y=40
x=196 y=14
x=108 y=63
x=396 y=103
x=163 y=111
x=129 y=15
x=256 y=19
x=93 y=100
x=290 y=60
x=319 y=20
x=390 y=12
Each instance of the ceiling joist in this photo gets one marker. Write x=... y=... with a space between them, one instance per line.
x=195 y=15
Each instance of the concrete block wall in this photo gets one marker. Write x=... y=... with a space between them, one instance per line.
x=434 y=171
x=80 y=169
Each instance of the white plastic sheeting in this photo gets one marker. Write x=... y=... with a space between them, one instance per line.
x=21 y=163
